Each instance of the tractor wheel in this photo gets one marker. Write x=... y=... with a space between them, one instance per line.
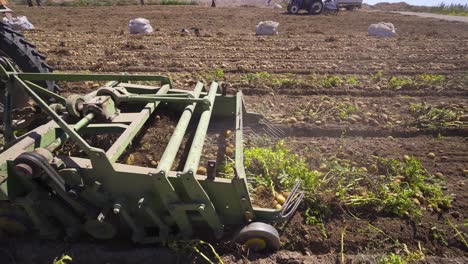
x=23 y=55
x=259 y=236
x=316 y=8
x=293 y=9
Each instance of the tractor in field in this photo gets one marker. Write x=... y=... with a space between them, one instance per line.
x=58 y=183
x=316 y=7
x=313 y=7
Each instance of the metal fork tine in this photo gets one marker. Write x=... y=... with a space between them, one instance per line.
x=271 y=133
x=274 y=128
x=278 y=132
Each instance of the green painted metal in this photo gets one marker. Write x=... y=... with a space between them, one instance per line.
x=152 y=204
x=46 y=92
x=193 y=188
x=63 y=125
x=90 y=77
x=82 y=123
x=126 y=138
x=168 y=157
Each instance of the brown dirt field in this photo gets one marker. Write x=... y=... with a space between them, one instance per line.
x=97 y=40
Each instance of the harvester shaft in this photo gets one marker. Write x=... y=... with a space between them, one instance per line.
x=80 y=124
x=126 y=137
x=170 y=153
x=193 y=158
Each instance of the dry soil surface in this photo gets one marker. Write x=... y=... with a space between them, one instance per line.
x=437 y=16
x=286 y=77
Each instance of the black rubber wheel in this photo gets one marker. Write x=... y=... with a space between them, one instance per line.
x=293 y=9
x=316 y=7
x=259 y=236
x=24 y=56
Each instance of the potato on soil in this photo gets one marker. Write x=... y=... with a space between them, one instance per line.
x=228 y=151
x=130 y=159
x=228 y=133
x=372 y=169
x=406 y=157
x=201 y=170
x=400 y=177
x=323 y=167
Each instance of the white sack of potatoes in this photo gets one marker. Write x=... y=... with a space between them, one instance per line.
x=382 y=29
x=18 y=23
x=139 y=26
x=267 y=28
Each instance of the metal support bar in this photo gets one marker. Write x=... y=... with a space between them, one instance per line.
x=239 y=148
x=82 y=123
x=169 y=196
x=162 y=185
x=168 y=157
x=193 y=158
x=239 y=181
x=7 y=107
x=90 y=77
x=127 y=136
x=139 y=98
x=191 y=185
x=63 y=125
x=179 y=95
x=46 y=92
x=97 y=156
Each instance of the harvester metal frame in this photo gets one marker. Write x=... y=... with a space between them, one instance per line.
x=90 y=193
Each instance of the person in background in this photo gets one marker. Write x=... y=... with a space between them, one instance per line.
x=142 y=2
x=30 y=3
x=213 y=3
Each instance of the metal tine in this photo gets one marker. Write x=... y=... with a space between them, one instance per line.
x=296 y=187
x=272 y=130
x=270 y=133
x=249 y=131
x=266 y=127
x=275 y=128
x=291 y=208
x=293 y=197
x=279 y=132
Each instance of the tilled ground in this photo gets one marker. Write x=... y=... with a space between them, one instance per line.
x=354 y=120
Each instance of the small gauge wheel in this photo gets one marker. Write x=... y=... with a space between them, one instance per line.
x=259 y=236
